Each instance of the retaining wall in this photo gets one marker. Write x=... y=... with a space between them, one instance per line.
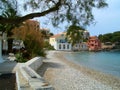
x=28 y=70
x=34 y=63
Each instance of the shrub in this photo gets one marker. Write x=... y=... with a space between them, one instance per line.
x=47 y=46
x=19 y=57
x=32 y=38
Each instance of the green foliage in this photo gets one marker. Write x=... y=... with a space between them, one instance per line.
x=74 y=34
x=74 y=12
x=9 y=13
x=19 y=57
x=33 y=46
x=8 y=4
x=110 y=37
x=32 y=38
x=77 y=11
x=47 y=46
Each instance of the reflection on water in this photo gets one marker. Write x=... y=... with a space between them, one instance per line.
x=107 y=62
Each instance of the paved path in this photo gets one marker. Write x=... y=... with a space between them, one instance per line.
x=8 y=66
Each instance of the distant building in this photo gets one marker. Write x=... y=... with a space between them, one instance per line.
x=117 y=45
x=107 y=45
x=80 y=46
x=94 y=43
x=86 y=34
x=59 y=42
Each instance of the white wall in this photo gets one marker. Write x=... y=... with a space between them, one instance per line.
x=64 y=46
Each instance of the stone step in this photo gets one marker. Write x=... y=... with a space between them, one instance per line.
x=35 y=81
x=23 y=83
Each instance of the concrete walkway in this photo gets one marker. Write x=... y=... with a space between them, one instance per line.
x=8 y=66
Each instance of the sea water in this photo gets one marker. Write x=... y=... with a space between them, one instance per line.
x=104 y=61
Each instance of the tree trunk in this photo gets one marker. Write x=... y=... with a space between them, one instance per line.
x=10 y=41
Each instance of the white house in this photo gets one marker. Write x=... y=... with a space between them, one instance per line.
x=80 y=46
x=59 y=42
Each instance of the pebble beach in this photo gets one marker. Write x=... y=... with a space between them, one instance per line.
x=65 y=75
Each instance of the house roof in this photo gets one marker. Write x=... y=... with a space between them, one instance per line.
x=93 y=37
x=57 y=35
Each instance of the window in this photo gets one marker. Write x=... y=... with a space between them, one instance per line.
x=59 y=46
x=67 y=46
x=64 y=46
x=92 y=44
x=60 y=41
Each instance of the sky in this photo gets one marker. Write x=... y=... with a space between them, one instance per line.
x=107 y=20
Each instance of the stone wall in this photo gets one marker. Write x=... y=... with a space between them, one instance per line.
x=34 y=63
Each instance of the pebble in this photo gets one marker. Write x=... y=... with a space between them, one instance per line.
x=69 y=78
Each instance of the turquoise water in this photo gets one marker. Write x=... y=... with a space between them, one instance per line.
x=107 y=62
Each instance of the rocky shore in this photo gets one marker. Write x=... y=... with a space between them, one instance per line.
x=65 y=75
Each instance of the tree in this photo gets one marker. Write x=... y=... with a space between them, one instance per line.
x=107 y=37
x=74 y=34
x=10 y=14
x=72 y=11
x=47 y=46
x=110 y=37
x=32 y=38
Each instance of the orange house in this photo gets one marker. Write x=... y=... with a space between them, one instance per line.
x=94 y=43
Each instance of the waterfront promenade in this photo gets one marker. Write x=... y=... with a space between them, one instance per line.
x=65 y=75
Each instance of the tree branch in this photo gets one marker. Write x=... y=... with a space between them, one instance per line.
x=30 y=16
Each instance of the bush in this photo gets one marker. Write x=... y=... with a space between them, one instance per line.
x=34 y=46
x=47 y=46
x=19 y=57
x=32 y=38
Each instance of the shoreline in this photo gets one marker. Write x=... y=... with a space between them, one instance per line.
x=56 y=72
x=100 y=76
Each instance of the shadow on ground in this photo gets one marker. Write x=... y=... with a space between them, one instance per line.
x=7 y=81
x=7 y=75
x=41 y=70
